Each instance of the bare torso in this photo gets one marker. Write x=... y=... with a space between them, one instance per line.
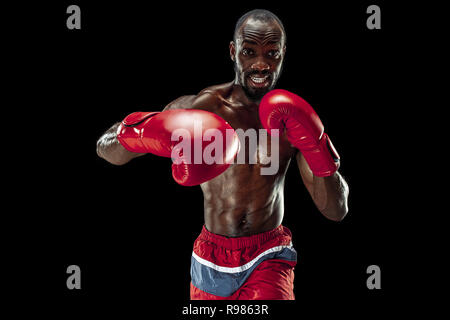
x=241 y=201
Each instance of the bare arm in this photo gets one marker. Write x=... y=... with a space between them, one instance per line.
x=329 y=194
x=110 y=149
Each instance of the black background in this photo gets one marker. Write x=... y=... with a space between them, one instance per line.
x=131 y=228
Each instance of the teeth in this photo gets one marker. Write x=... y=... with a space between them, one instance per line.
x=258 y=80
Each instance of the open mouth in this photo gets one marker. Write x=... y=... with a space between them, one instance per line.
x=259 y=81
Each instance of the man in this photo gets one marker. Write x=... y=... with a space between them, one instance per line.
x=243 y=251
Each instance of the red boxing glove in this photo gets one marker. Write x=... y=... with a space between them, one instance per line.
x=280 y=108
x=159 y=133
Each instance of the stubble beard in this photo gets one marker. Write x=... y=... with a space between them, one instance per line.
x=255 y=94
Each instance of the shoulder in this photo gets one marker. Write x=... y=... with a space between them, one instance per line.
x=183 y=102
x=209 y=98
x=221 y=90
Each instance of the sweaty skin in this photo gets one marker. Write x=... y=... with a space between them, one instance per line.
x=241 y=201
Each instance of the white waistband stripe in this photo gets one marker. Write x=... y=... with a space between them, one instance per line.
x=243 y=267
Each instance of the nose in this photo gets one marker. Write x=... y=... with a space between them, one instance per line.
x=260 y=66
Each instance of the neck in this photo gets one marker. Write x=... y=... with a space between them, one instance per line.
x=240 y=96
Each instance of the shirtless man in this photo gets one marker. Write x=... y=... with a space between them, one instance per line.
x=243 y=251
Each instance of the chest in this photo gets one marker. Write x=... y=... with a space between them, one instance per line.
x=257 y=146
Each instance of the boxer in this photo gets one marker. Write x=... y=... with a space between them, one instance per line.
x=243 y=251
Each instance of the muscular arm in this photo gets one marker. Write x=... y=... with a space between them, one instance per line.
x=328 y=193
x=110 y=149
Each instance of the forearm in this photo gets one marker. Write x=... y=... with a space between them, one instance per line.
x=110 y=149
x=330 y=195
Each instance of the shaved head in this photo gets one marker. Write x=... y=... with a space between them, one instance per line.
x=260 y=15
x=258 y=49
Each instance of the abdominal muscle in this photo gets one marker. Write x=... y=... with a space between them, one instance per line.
x=242 y=202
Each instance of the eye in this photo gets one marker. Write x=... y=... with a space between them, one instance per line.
x=247 y=52
x=273 y=53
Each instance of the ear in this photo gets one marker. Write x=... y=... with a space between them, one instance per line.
x=232 y=50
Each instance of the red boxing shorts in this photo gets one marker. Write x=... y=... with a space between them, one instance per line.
x=258 y=267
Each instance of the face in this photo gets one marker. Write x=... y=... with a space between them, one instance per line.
x=258 y=55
